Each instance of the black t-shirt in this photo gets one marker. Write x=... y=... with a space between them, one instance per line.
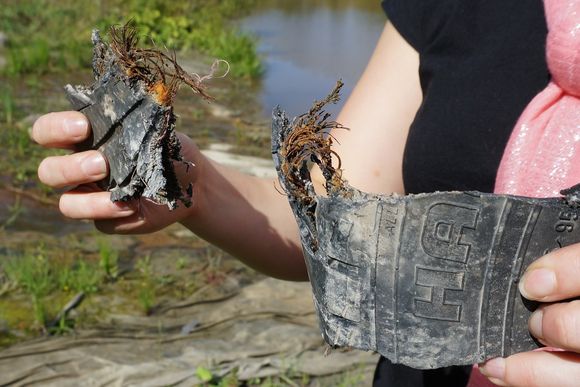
x=481 y=62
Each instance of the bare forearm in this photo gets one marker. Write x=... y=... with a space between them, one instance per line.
x=249 y=218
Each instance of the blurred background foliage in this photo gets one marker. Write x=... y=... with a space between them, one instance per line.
x=54 y=35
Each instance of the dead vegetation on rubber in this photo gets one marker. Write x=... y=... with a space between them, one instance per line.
x=309 y=141
x=158 y=70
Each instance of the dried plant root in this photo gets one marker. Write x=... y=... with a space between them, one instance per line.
x=309 y=140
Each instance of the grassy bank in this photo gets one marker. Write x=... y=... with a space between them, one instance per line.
x=48 y=35
x=38 y=278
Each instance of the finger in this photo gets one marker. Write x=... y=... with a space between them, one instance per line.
x=530 y=369
x=148 y=217
x=132 y=224
x=553 y=277
x=557 y=325
x=61 y=129
x=93 y=205
x=74 y=169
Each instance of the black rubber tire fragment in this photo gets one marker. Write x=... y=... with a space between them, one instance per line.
x=133 y=131
x=425 y=280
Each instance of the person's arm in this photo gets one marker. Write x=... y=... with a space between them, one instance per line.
x=378 y=114
x=245 y=215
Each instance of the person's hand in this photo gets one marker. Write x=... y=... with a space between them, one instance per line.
x=554 y=277
x=81 y=170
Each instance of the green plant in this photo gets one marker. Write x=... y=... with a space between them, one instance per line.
x=181 y=264
x=108 y=260
x=39 y=310
x=32 y=272
x=34 y=57
x=42 y=34
x=19 y=141
x=206 y=376
x=7 y=105
x=63 y=326
x=230 y=380
x=22 y=156
x=240 y=51
x=42 y=277
x=81 y=277
x=146 y=292
x=203 y=374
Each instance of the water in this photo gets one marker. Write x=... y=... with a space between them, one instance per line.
x=309 y=44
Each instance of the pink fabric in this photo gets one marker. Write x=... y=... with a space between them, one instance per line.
x=542 y=156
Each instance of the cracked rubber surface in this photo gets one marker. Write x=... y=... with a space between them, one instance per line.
x=426 y=280
x=133 y=131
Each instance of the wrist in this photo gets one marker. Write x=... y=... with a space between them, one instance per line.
x=209 y=194
x=189 y=172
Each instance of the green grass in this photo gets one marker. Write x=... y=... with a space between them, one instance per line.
x=147 y=285
x=239 y=51
x=42 y=277
x=43 y=35
x=80 y=277
x=48 y=36
x=33 y=274
x=108 y=259
x=21 y=155
x=32 y=57
x=8 y=105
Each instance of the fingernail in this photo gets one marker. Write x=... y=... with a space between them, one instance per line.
x=494 y=368
x=94 y=165
x=535 y=323
x=75 y=128
x=538 y=284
